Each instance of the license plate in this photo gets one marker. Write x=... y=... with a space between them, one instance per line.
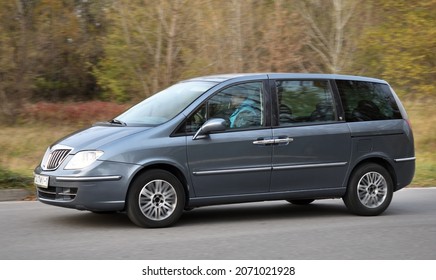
x=41 y=181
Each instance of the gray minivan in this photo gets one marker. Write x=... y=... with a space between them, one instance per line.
x=237 y=138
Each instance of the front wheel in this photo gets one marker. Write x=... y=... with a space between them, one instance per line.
x=155 y=199
x=369 y=191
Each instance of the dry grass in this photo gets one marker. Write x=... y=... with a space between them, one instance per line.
x=22 y=148
x=423 y=119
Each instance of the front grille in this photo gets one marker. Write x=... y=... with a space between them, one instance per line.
x=57 y=193
x=55 y=159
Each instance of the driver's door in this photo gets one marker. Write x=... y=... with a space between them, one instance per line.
x=237 y=160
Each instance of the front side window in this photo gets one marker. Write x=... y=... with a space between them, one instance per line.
x=305 y=101
x=367 y=101
x=240 y=105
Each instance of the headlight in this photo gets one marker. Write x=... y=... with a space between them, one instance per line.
x=83 y=159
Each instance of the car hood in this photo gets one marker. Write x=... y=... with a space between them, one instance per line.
x=96 y=136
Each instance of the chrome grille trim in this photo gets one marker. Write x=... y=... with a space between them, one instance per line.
x=47 y=191
x=57 y=193
x=87 y=179
x=55 y=159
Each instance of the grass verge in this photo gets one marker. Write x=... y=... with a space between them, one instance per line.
x=423 y=122
x=12 y=180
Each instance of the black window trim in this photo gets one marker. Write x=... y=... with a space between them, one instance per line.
x=392 y=93
x=266 y=103
x=340 y=115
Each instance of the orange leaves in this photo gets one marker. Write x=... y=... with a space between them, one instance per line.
x=81 y=113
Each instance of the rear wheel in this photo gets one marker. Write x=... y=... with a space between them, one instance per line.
x=369 y=191
x=156 y=199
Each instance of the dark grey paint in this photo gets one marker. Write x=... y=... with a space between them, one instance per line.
x=230 y=166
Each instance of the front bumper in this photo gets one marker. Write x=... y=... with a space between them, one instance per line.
x=93 y=190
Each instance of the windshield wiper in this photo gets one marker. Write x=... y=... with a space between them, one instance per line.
x=116 y=121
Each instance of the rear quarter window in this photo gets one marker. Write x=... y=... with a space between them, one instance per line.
x=367 y=101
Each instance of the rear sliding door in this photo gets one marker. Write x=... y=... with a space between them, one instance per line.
x=312 y=145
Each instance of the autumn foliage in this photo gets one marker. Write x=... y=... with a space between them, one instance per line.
x=72 y=113
x=126 y=50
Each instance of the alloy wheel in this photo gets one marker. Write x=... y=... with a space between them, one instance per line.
x=157 y=200
x=372 y=189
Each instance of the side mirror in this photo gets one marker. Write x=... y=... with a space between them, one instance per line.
x=211 y=125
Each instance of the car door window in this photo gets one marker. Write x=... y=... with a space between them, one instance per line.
x=240 y=105
x=366 y=101
x=305 y=101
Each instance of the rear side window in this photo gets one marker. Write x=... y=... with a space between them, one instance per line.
x=305 y=101
x=367 y=101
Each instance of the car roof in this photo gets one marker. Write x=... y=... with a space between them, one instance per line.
x=242 y=76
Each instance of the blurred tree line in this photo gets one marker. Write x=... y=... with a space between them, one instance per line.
x=124 y=50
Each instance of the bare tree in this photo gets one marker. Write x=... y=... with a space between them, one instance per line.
x=328 y=27
x=282 y=39
x=14 y=39
x=169 y=17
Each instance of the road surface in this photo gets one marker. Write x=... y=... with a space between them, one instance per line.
x=265 y=230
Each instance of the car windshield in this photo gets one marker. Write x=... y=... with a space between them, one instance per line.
x=165 y=104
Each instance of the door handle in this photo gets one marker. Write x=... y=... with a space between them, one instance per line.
x=264 y=141
x=285 y=140
x=276 y=141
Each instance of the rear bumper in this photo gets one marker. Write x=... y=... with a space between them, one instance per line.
x=405 y=170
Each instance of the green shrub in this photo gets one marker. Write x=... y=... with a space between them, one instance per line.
x=11 y=180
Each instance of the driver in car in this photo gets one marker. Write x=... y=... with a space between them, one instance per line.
x=246 y=114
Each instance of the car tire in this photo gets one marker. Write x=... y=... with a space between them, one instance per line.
x=369 y=191
x=156 y=198
x=300 y=201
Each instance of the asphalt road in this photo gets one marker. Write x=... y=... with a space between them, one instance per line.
x=266 y=230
